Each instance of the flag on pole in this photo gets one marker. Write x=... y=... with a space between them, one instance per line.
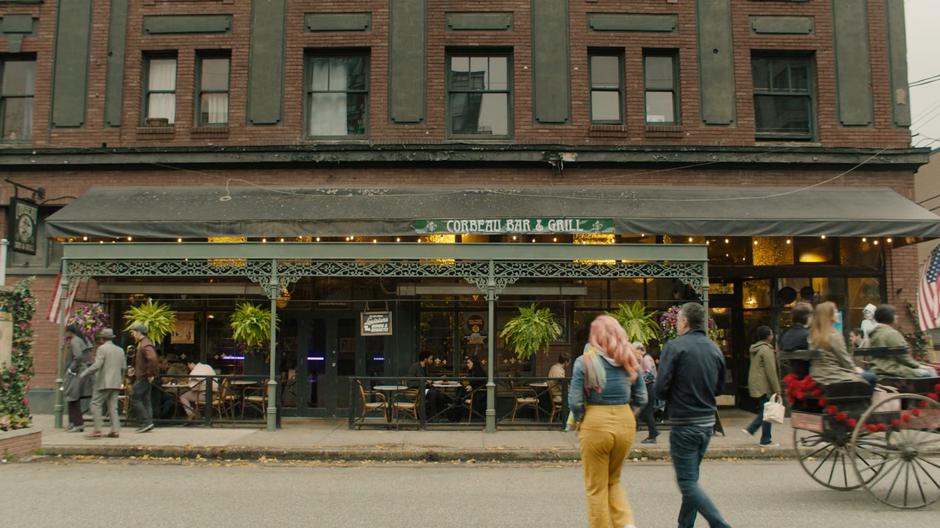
x=55 y=308
x=928 y=295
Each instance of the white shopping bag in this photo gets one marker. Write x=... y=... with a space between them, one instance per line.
x=774 y=410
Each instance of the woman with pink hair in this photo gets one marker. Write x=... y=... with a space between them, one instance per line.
x=604 y=386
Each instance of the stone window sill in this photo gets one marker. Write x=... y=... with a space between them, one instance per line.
x=210 y=132
x=664 y=131
x=607 y=131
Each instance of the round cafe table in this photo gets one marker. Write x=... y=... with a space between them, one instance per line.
x=389 y=391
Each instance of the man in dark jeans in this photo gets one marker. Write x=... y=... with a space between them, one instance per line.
x=691 y=373
x=146 y=369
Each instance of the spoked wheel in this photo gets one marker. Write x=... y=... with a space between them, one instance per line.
x=903 y=451
x=825 y=458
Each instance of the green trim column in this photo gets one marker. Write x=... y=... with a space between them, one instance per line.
x=272 y=292
x=491 y=349
x=63 y=315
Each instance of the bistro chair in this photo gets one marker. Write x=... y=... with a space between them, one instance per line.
x=523 y=397
x=406 y=401
x=372 y=401
x=256 y=396
x=469 y=399
x=556 y=408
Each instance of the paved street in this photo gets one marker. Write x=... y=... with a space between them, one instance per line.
x=751 y=494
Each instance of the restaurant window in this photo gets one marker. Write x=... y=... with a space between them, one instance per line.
x=606 y=88
x=479 y=95
x=783 y=96
x=861 y=252
x=772 y=251
x=337 y=94
x=160 y=90
x=662 y=87
x=17 y=86
x=213 y=90
x=815 y=250
x=729 y=250
x=756 y=294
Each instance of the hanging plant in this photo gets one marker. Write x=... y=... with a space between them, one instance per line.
x=15 y=376
x=251 y=326
x=159 y=319
x=90 y=319
x=531 y=331
x=639 y=324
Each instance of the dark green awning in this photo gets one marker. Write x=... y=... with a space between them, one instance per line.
x=200 y=212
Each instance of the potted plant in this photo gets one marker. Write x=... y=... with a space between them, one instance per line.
x=251 y=326
x=159 y=319
x=639 y=324
x=90 y=318
x=531 y=331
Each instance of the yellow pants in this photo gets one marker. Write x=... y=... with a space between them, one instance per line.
x=606 y=434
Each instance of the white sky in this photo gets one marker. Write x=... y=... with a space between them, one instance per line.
x=923 y=60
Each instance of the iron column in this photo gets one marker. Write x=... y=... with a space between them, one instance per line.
x=273 y=292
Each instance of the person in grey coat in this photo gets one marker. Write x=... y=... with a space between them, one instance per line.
x=77 y=358
x=110 y=365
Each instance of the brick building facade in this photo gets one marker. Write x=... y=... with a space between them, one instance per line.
x=475 y=94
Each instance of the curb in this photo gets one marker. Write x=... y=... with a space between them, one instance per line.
x=398 y=455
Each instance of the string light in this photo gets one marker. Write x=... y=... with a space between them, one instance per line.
x=533 y=240
x=888 y=240
x=264 y=240
x=282 y=240
x=85 y=238
x=375 y=241
x=788 y=241
x=690 y=240
x=514 y=237
x=554 y=239
x=318 y=239
x=397 y=239
x=875 y=242
x=727 y=241
x=179 y=240
x=864 y=239
x=129 y=239
x=823 y=237
x=755 y=242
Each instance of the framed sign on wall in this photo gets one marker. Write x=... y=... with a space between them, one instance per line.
x=24 y=223
x=376 y=323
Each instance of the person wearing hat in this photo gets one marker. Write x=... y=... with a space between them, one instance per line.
x=77 y=359
x=146 y=368
x=110 y=364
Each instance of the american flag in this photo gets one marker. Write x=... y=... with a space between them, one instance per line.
x=928 y=296
x=60 y=297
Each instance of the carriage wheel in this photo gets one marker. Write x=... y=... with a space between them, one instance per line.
x=907 y=451
x=825 y=458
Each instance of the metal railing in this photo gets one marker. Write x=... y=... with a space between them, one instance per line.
x=213 y=400
x=443 y=402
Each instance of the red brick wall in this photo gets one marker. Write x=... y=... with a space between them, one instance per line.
x=381 y=130
x=19 y=443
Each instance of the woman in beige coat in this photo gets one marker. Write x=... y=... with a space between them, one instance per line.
x=762 y=381
x=835 y=365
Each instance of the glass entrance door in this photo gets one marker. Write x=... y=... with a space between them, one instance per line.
x=334 y=355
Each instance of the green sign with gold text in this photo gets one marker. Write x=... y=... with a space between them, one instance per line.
x=501 y=226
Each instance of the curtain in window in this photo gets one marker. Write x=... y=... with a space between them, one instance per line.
x=328 y=110
x=215 y=108
x=162 y=78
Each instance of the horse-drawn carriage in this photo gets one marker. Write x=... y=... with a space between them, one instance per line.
x=846 y=439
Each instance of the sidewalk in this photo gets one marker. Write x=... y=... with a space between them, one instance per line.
x=319 y=439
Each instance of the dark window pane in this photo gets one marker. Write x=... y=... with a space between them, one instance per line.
x=19 y=77
x=213 y=109
x=605 y=106
x=659 y=72
x=356 y=114
x=480 y=113
x=605 y=71
x=799 y=77
x=17 y=118
x=355 y=74
x=785 y=114
x=479 y=70
x=215 y=74
x=760 y=70
x=499 y=73
x=660 y=107
x=779 y=76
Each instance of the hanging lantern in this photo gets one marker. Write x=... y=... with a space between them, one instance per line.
x=283 y=298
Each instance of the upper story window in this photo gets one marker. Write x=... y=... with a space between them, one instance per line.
x=213 y=89
x=661 y=79
x=337 y=95
x=17 y=86
x=160 y=90
x=606 y=87
x=783 y=96
x=479 y=102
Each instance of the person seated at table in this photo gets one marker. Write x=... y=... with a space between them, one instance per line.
x=475 y=384
x=884 y=335
x=558 y=370
x=197 y=386
x=432 y=396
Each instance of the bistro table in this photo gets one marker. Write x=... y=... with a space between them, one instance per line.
x=389 y=391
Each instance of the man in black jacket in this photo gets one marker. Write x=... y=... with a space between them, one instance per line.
x=691 y=373
x=797 y=338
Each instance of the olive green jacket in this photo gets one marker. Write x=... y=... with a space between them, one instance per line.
x=762 y=379
x=896 y=366
x=835 y=365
